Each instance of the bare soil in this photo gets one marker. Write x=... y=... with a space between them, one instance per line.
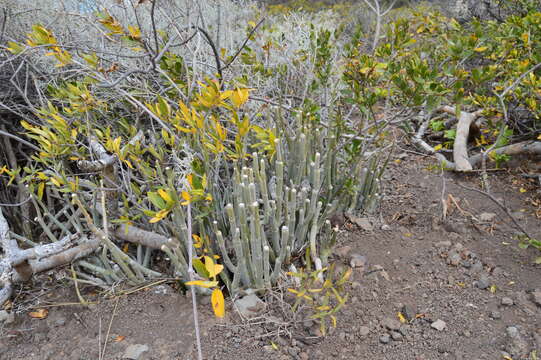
x=466 y=271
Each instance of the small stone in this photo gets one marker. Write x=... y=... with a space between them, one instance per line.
x=458 y=247
x=466 y=334
x=409 y=312
x=487 y=217
x=496 y=315
x=477 y=266
x=135 y=352
x=444 y=245
x=358 y=261
x=536 y=297
x=342 y=336
x=483 y=282
x=293 y=351
x=385 y=339
x=391 y=324
x=386 y=227
x=465 y=264
x=506 y=301
x=249 y=305
x=438 y=325
x=396 y=336
x=304 y=356
x=363 y=223
x=364 y=331
x=453 y=258
x=6 y=317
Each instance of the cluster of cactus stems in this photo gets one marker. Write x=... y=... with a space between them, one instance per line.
x=279 y=207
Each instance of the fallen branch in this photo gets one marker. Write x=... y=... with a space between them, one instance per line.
x=18 y=265
x=460 y=147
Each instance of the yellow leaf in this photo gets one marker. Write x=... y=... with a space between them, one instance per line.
x=41 y=187
x=39 y=314
x=198 y=242
x=164 y=195
x=438 y=147
x=218 y=304
x=252 y=24
x=159 y=216
x=202 y=283
x=55 y=181
x=539 y=137
x=187 y=197
x=522 y=190
x=212 y=268
x=480 y=49
x=493 y=289
x=240 y=96
x=126 y=247
x=401 y=317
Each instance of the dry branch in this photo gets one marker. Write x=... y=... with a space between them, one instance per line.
x=460 y=148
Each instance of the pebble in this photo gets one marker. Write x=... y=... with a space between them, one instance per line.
x=134 y=352
x=438 y=325
x=483 y=282
x=391 y=324
x=506 y=301
x=409 y=311
x=496 y=315
x=477 y=267
x=385 y=339
x=396 y=336
x=453 y=258
x=304 y=356
x=357 y=261
x=364 y=331
x=536 y=297
x=386 y=227
x=444 y=245
x=6 y=317
x=249 y=305
x=487 y=217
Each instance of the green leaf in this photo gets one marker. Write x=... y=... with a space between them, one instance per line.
x=157 y=200
x=200 y=268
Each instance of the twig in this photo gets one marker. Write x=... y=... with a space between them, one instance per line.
x=191 y=277
x=109 y=329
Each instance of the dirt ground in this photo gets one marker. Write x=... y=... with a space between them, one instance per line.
x=463 y=287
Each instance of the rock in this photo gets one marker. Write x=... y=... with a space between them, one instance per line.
x=304 y=356
x=342 y=336
x=443 y=245
x=293 y=351
x=385 y=339
x=483 y=282
x=396 y=336
x=409 y=312
x=438 y=325
x=477 y=267
x=453 y=258
x=363 y=223
x=487 y=217
x=358 y=261
x=506 y=301
x=516 y=345
x=6 y=317
x=135 y=352
x=249 y=305
x=364 y=331
x=496 y=315
x=536 y=297
x=386 y=227
x=391 y=324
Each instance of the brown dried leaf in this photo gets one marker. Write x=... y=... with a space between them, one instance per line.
x=39 y=314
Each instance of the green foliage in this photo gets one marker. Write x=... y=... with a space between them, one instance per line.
x=322 y=292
